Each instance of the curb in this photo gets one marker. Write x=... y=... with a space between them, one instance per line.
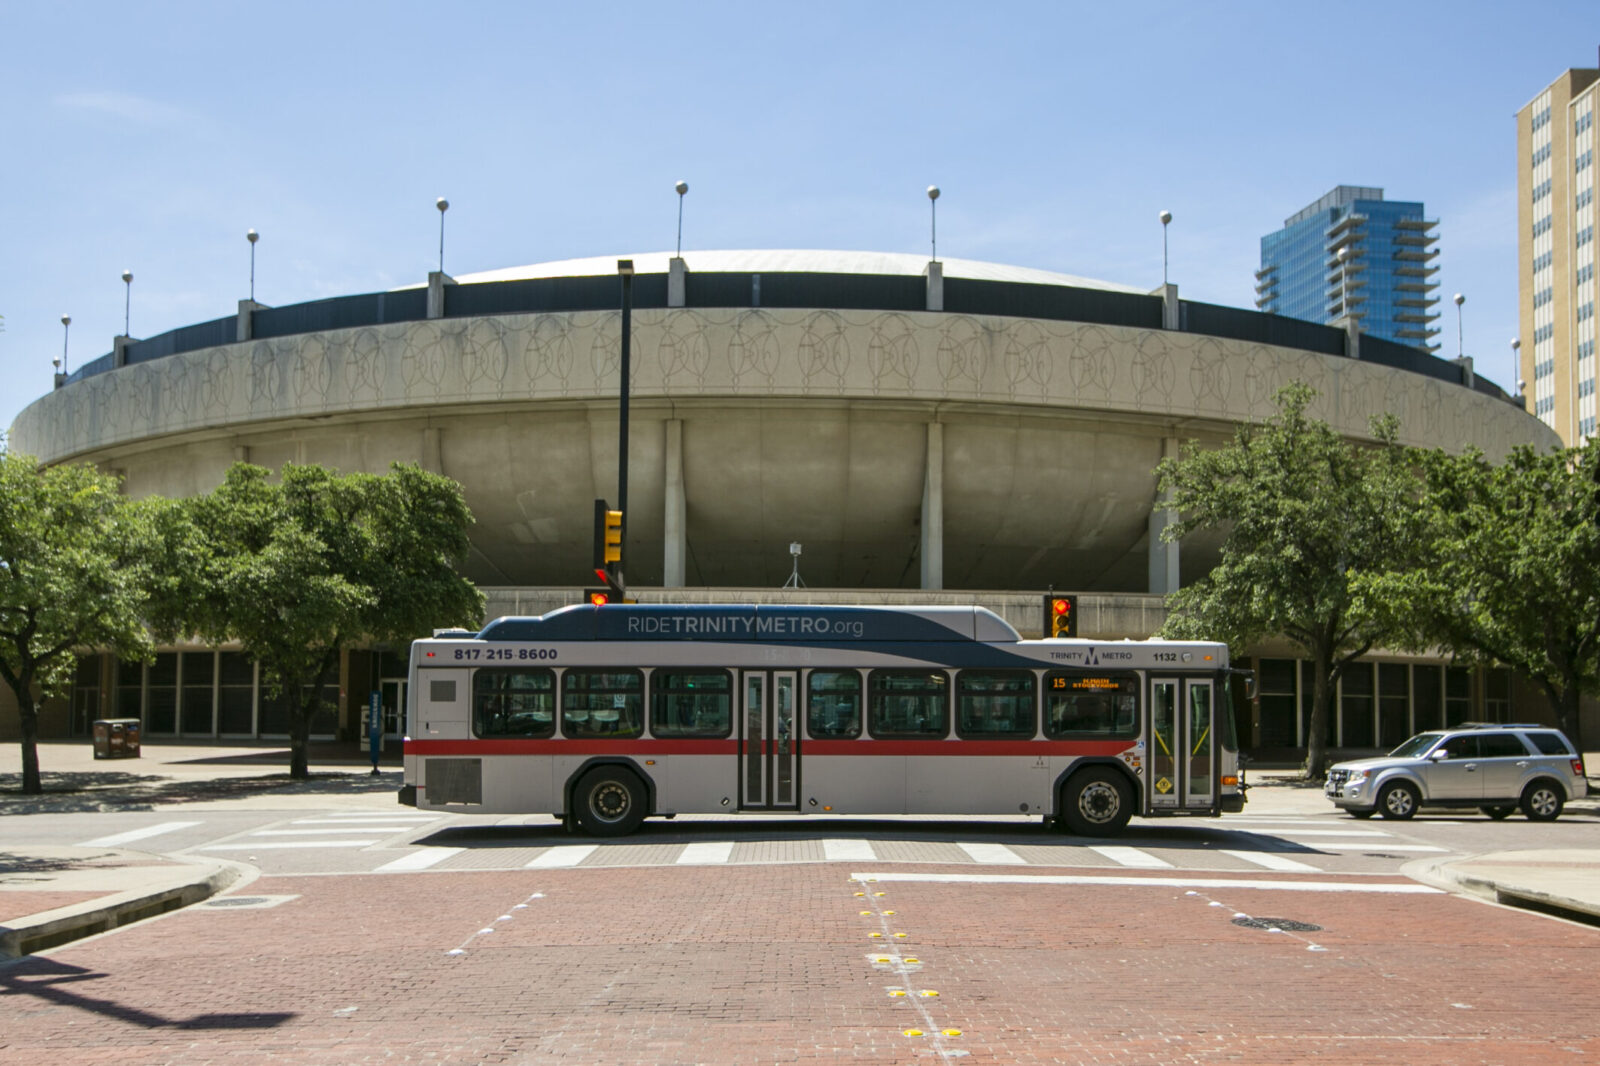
x=54 y=928
x=1439 y=874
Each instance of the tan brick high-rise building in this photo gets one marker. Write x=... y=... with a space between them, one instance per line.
x=1556 y=252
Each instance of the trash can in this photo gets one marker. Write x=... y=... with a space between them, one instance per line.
x=116 y=738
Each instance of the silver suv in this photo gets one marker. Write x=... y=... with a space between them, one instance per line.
x=1496 y=768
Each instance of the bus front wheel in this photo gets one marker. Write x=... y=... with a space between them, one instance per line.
x=1096 y=802
x=609 y=802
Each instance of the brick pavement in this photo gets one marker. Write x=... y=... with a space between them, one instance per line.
x=777 y=964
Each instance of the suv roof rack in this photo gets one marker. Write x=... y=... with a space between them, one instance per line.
x=1502 y=725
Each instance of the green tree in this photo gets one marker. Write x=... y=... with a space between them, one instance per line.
x=295 y=571
x=1302 y=511
x=75 y=559
x=1512 y=574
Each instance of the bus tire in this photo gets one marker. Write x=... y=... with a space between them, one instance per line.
x=609 y=801
x=1096 y=802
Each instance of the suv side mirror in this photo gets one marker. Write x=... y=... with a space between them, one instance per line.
x=1438 y=755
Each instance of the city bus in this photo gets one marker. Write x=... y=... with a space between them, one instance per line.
x=605 y=715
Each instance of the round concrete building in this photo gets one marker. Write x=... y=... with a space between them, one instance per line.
x=947 y=430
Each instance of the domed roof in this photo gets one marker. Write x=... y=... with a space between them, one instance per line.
x=792 y=261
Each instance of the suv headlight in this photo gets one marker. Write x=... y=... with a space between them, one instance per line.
x=1356 y=777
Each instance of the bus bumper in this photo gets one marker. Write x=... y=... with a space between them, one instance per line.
x=408 y=795
x=1233 y=804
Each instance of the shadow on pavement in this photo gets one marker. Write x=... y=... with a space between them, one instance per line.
x=46 y=979
x=77 y=793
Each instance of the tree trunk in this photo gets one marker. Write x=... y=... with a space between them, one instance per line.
x=1567 y=713
x=28 y=712
x=1316 y=764
x=299 y=736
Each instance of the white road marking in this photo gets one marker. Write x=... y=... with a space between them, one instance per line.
x=335 y=832
x=706 y=853
x=421 y=859
x=993 y=854
x=267 y=844
x=1157 y=882
x=352 y=820
x=848 y=851
x=1331 y=833
x=1130 y=857
x=1273 y=862
x=117 y=839
x=566 y=855
x=1339 y=845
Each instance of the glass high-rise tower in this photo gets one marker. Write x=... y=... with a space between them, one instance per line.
x=1354 y=253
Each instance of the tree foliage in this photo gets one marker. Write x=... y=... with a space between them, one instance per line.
x=75 y=563
x=1303 y=511
x=295 y=571
x=1512 y=568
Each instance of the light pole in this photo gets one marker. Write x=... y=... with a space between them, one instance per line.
x=1459 y=299
x=127 y=302
x=252 y=236
x=443 y=205
x=1166 y=219
x=681 y=187
x=933 y=209
x=1516 y=364
x=66 y=327
x=625 y=270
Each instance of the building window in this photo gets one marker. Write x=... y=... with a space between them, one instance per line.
x=1584 y=199
x=1584 y=159
x=1394 y=704
x=1585 y=272
x=1585 y=120
x=236 y=676
x=1540 y=154
x=1542 y=226
x=1355 y=705
x=1457 y=695
x=1543 y=296
x=196 y=698
x=1540 y=262
x=1586 y=311
x=1541 y=190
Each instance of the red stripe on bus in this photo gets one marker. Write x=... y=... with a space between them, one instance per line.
x=957 y=748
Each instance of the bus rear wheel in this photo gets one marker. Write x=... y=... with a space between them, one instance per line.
x=1096 y=803
x=609 y=802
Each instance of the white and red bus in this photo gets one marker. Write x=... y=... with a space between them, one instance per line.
x=604 y=716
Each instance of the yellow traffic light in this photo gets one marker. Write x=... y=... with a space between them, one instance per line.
x=613 y=537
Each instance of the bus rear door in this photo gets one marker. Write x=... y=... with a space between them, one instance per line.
x=769 y=752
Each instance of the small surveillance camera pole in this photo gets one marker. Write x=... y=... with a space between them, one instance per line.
x=252 y=236
x=794 y=581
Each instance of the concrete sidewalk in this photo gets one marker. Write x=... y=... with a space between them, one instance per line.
x=50 y=895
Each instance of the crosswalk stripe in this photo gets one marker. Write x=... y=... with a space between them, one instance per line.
x=335 y=832
x=848 y=851
x=1273 y=862
x=1340 y=845
x=1400 y=888
x=565 y=855
x=993 y=854
x=706 y=853
x=116 y=839
x=1130 y=857
x=421 y=859
x=1329 y=833
x=280 y=845
x=419 y=819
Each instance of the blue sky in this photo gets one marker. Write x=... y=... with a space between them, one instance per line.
x=150 y=136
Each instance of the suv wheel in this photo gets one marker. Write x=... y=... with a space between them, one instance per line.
x=1542 y=802
x=1398 y=800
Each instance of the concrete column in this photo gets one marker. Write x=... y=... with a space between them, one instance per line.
x=119 y=350
x=1468 y=378
x=1163 y=556
x=677 y=282
x=437 y=280
x=935 y=276
x=933 y=511
x=1352 y=337
x=1171 y=309
x=247 y=310
x=432 y=452
x=674 y=566
x=241 y=454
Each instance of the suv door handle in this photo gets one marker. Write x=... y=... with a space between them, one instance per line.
x=1471 y=767
x=1522 y=764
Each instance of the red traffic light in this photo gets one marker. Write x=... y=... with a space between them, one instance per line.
x=597 y=597
x=1060 y=616
x=1060 y=606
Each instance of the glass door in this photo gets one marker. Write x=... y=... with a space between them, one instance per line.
x=1183 y=750
x=394 y=708
x=769 y=757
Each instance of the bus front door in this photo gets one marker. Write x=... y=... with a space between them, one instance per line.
x=1182 y=748
x=769 y=755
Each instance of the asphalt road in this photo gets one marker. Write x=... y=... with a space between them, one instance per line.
x=376 y=933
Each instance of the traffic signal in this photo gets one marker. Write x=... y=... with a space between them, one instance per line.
x=1061 y=616
x=607 y=537
x=597 y=597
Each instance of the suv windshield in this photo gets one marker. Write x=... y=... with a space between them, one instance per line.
x=1417 y=745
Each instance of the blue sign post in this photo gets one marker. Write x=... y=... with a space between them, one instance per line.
x=375 y=727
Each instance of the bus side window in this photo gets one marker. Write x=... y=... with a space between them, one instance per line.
x=909 y=703
x=691 y=703
x=515 y=702
x=833 y=704
x=1086 y=705
x=602 y=703
x=995 y=704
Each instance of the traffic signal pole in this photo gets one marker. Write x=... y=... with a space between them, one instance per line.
x=625 y=269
